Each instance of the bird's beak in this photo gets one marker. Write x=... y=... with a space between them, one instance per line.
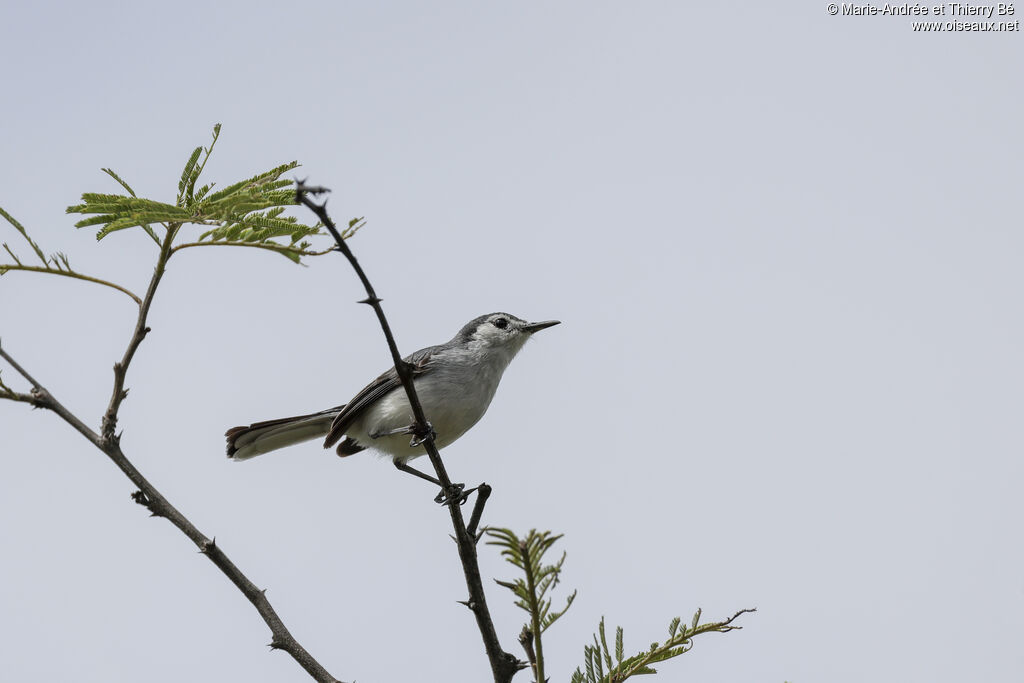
x=530 y=328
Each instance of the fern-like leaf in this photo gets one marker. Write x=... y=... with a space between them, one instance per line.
x=188 y=175
x=24 y=233
x=598 y=655
x=248 y=213
x=532 y=589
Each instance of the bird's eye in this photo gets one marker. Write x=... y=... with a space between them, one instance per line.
x=501 y=323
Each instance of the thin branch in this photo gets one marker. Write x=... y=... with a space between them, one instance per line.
x=526 y=640
x=154 y=501
x=141 y=330
x=535 y=621
x=280 y=248
x=19 y=397
x=503 y=664
x=10 y=394
x=68 y=273
x=483 y=492
x=45 y=400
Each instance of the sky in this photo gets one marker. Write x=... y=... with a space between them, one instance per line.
x=785 y=247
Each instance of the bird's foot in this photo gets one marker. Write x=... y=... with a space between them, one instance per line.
x=421 y=435
x=457 y=494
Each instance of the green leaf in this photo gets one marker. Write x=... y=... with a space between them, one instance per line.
x=116 y=177
x=24 y=233
x=527 y=555
x=680 y=642
x=186 y=174
x=256 y=181
x=13 y=255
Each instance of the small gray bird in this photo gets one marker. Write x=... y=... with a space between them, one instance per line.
x=455 y=382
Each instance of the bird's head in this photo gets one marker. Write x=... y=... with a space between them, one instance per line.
x=500 y=331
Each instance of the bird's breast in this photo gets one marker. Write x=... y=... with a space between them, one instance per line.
x=454 y=394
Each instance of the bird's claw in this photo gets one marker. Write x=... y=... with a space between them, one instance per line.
x=456 y=494
x=420 y=436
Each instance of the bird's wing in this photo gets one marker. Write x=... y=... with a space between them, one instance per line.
x=375 y=390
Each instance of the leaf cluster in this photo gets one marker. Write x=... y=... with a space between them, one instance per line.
x=246 y=213
x=604 y=665
x=532 y=589
x=249 y=213
x=601 y=663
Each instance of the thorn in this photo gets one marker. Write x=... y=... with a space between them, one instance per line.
x=468 y=603
x=124 y=394
x=370 y=301
x=208 y=546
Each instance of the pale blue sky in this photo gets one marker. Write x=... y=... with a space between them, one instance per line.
x=786 y=250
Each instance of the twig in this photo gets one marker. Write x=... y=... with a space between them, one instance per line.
x=45 y=400
x=536 y=627
x=11 y=395
x=20 y=398
x=483 y=492
x=279 y=249
x=503 y=664
x=69 y=273
x=526 y=640
x=141 y=330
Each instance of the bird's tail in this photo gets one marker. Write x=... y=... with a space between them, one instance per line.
x=263 y=437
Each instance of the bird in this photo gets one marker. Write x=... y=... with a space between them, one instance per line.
x=455 y=382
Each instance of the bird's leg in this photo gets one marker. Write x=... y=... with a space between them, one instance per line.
x=418 y=435
x=400 y=430
x=415 y=472
x=457 y=492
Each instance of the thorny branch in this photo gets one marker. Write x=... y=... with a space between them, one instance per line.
x=17 y=396
x=147 y=495
x=503 y=664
